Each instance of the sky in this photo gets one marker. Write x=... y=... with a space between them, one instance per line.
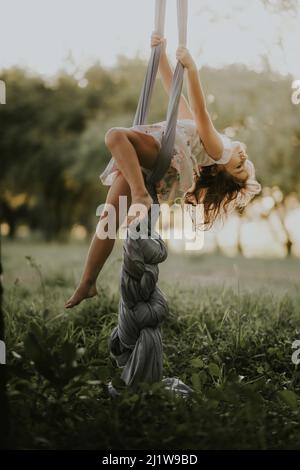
x=40 y=34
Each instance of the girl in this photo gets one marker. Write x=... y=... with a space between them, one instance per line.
x=207 y=168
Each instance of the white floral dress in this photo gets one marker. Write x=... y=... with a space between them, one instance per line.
x=188 y=155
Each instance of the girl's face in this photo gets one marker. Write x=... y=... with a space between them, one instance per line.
x=237 y=166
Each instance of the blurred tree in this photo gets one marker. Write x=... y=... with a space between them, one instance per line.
x=52 y=147
x=281 y=5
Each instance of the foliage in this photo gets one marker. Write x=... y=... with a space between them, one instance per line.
x=233 y=347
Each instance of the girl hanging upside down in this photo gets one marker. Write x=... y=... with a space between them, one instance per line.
x=206 y=168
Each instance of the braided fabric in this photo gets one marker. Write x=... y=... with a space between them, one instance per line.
x=136 y=342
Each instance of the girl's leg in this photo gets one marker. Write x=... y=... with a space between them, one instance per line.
x=143 y=150
x=131 y=150
x=100 y=249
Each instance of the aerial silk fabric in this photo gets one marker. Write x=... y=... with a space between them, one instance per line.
x=168 y=138
x=136 y=343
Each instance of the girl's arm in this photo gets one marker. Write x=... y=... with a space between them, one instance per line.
x=208 y=134
x=166 y=74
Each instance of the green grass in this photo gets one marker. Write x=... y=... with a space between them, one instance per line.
x=229 y=336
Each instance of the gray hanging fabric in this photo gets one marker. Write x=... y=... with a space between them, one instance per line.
x=168 y=137
x=136 y=343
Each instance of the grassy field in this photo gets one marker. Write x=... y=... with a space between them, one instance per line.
x=229 y=336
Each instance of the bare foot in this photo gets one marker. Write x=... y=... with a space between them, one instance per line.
x=83 y=291
x=143 y=204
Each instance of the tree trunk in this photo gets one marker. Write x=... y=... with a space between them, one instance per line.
x=240 y=249
x=279 y=210
x=281 y=214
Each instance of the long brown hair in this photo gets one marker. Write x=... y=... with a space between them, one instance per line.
x=216 y=190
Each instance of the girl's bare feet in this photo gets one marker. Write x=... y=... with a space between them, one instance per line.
x=85 y=290
x=140 y=206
